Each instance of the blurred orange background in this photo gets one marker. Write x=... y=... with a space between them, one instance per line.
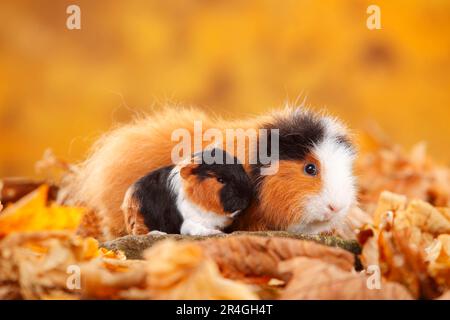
x=62 y=88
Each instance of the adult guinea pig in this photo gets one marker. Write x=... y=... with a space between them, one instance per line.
x=188 y=198
x=311 y=191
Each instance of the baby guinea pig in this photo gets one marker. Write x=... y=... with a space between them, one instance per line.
x=188 y=198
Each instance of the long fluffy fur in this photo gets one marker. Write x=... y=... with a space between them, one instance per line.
x=125 y=154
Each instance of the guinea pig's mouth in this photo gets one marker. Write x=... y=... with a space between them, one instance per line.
x=324 y=220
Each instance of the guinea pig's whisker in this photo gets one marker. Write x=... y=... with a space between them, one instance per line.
x=235 y=213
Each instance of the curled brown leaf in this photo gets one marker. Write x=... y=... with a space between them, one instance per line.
x=316 y=279
x=243 y=256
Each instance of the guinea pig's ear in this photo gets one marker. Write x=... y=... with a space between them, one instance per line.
x=186 y=171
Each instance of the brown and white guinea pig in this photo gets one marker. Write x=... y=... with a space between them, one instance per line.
x=314 y=187
x=311 y=191
x=188 y=198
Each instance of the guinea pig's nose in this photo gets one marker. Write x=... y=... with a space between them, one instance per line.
x=333 y=208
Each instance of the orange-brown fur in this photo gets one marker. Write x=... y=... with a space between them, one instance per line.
x=204 y=193
x=134 y=221
x=284 y=194
x=129 y=152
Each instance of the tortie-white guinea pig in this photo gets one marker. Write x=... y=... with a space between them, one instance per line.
x=194 y=198
x=311 y=192
x=314 y=187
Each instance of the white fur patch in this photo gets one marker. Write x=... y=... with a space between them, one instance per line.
x=338 y=184
x=196 y=221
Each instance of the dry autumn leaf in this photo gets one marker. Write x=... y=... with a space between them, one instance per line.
x=172 y=270
x=246 y=256
x=402 y=244
x=428 y=218
x=316 y=279
x=33 y=265
x=32 y=213
x=182 y=270
x=438 y=256
x=110 y=279
x=355 y=220
x=413 y=174
x=370 y=254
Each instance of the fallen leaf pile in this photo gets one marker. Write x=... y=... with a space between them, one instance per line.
x=413 y=174
x=410 y=243
x=239 y=257
x=170 y=271
x=334 y=283
x=36 y=265
x=46 y=251
x=32 y=213
x=382 y=166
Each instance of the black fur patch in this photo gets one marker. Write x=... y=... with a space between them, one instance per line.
x=237 y=191
x=157 y=202
x=298 y=133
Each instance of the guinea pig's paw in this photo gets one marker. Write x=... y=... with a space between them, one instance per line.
x=205 y=232
x=156 y=233
x=195 y=229
x=210 y=232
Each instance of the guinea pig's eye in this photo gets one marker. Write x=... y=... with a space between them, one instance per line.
x=219 y=179
x=310 y=169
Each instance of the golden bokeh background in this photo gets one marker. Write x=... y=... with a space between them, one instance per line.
x=62 y=88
